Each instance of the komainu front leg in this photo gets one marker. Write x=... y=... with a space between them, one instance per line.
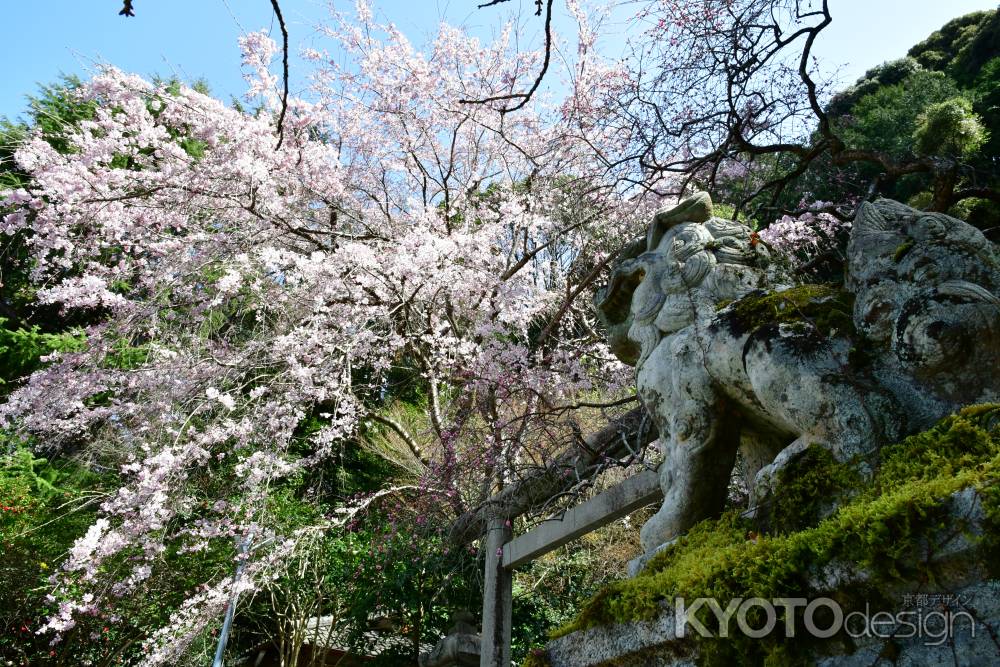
x=699 y=454
x=698 y=435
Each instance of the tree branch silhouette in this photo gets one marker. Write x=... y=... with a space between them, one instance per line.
x=524 y=97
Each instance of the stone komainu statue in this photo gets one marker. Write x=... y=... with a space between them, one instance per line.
x=730 y=357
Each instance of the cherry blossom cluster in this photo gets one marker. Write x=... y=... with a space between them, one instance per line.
x=804 y=237
x=237 y=288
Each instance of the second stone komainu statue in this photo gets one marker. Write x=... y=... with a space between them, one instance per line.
x=732 y=356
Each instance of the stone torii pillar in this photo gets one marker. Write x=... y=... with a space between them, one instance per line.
x=497 y=594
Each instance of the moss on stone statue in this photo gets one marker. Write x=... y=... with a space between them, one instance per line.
x=827 y=309
x=884 y=528
x=902 y=250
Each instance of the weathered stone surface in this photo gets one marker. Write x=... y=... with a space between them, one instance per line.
x=927 y=288
x=915 y=335
x=973 y=643
x=636 y=643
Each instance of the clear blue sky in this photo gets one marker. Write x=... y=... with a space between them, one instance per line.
x=197 y=38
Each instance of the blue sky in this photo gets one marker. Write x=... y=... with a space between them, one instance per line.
x=197 y=38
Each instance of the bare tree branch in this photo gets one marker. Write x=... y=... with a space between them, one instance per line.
x=524 y=97
x=284 y=68
x=398 y=428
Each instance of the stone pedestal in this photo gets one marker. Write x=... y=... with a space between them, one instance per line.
x=963 y=595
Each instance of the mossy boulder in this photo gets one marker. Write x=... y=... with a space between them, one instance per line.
x=925 y=518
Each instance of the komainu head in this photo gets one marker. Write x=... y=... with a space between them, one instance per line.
x=689 y=262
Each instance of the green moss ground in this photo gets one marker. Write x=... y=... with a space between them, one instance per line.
x=883 y=525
